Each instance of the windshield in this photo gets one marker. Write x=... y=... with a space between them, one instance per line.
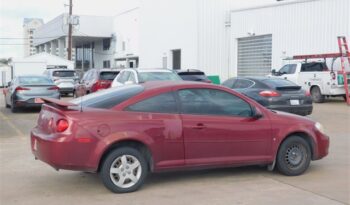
x=34 y=80
x=274 y=83
x=108 y=75
x=63 y=73
x=108 y=98
x=153 y=76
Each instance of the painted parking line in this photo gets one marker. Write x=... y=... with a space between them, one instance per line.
x=13 y=126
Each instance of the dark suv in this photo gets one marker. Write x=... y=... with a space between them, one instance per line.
x=95 y=80
x=193 y=75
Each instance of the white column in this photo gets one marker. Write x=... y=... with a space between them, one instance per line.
x=61 y=47
x=46 y=48
x=53 y=47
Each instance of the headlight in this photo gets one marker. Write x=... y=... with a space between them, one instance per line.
x=319 y=127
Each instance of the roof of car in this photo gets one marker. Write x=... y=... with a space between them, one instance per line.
x=258 y=78
x=145 y=70
x=108 y=69
x=189 y=71
x=166 y=84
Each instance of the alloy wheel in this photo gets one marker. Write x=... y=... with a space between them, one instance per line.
x=125 y=171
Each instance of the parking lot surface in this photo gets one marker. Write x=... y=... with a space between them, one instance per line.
x=24 y=180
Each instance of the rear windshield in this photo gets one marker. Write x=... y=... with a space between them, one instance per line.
x=108 y=75
x=108 y=98
x=63 y=73
x=34 y=80
x=153 y=76
x=274 y=83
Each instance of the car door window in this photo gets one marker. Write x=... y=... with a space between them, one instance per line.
x=163 y=103
x=86 y=76
x=242 y=84
x=212 y=102
x=288 y=69
x=124 y=77
x=229 y=83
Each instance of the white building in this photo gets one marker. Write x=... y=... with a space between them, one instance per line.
x=222 y=37
x=225 y=37
x=29 y=26
x=92 y=40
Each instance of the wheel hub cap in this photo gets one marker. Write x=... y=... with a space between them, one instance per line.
x=125 y=171
x=294 y=155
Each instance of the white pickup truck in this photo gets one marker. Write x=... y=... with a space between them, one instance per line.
x=316 y=78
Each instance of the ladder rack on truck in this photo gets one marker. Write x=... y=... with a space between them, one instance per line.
x=343 y=54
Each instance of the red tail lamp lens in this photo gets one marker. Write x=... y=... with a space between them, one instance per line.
x=54 y=88
x=307 y=93
x=19 y=88
x=62 y=125
x=269 y=93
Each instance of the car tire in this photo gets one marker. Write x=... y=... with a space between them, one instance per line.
x=6 y=105
x=316 y=95
x=14 y=109
x=294 y=156
x=130 y=170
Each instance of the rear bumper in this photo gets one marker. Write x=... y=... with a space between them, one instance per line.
x=299 y=110
x=62 y=152
x=29 y=101
x=67 y=90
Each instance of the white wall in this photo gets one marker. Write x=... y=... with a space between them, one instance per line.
x=302 y=28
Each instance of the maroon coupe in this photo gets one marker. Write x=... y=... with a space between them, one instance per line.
x=126 y=132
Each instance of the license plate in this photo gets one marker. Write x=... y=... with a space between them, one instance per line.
x=35 y=145
x=38 y=100
x=294 y=102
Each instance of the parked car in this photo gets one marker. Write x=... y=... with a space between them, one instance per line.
x=26 y=91
x=135 y=76
x=65 y=79
x=193 y=75
x=95 y=80
x=124 y=133
x=274 y=93
x=316 y=78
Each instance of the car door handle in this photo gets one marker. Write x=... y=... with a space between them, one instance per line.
x=199 y=126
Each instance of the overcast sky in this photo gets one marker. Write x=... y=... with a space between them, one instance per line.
x=12 y=13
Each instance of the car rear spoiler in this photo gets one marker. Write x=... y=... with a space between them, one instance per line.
x=59 y=103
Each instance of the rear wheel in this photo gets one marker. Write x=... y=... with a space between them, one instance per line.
x=294 y=156
x=316 y=95
x=124 y=170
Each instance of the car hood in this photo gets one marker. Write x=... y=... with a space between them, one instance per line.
x=293 y=117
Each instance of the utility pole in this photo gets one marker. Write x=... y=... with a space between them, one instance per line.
x=70 y=31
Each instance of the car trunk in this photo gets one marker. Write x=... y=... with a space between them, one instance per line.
x=37 y=90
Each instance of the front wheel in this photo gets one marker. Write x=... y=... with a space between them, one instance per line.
x=294 y=156
x=124 y=170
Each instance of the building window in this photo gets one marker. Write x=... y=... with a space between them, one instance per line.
x=106 y=44
x=123 y=46
x=106 y=64
x=176 y=59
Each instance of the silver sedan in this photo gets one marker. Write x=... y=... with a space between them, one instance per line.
x=27 y=91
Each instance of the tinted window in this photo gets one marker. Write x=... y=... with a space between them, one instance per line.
x=212 y=102
x=276 y=82
x=288 y=69
x=229 y=83
x=153 y=76
x=63 y=74
x=108 y=98
x=163 y=103
x=34 y=80
x=242 y=83
x=108 y=75
x=313 y=67
x=193 y=76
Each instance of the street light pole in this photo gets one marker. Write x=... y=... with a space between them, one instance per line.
x=70 y=31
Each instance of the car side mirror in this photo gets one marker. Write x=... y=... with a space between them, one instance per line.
x=273 y=71
x=257 y=114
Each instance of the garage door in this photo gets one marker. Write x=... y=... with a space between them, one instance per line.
x=254 y=55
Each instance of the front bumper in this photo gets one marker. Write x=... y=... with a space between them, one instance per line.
x=322 y=146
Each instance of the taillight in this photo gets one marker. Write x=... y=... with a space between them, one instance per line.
x=100 y=84
x=62 y=125
x=19 y=88
x=207 y=81
x=95 y=87
x=269 y=93
x=53 y=88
